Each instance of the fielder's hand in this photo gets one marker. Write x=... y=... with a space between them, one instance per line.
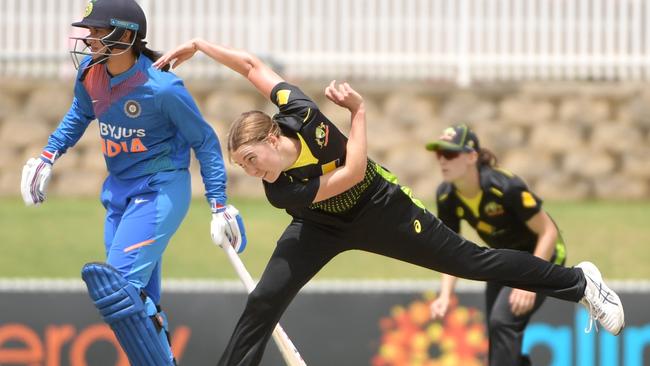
x=439 y=307
x=227 y=228
x=33 y=185
x=521 y=301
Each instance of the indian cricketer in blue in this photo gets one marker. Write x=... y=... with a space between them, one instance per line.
x=148 y=122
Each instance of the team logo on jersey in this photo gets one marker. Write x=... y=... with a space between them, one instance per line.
x=322 y=135
x=460 y=212
x=89 y=8
x=132 y=108
x=493 y=209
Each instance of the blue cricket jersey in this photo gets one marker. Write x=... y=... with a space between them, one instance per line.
x=147 y=121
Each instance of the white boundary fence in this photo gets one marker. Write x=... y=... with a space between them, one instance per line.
x=317 y=286
x=449 y=40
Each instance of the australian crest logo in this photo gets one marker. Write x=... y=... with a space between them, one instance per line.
x=322 y=134
x=493 y=209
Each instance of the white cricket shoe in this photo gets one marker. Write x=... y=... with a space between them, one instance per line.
x=602 y=303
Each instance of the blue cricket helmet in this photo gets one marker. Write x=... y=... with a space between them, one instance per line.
x=125 y=14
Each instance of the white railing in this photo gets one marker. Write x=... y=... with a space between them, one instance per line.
x=448 y=40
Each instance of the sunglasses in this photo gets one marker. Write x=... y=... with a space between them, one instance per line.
x=448 y=155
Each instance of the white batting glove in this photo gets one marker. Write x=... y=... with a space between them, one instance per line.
x=33 y=185
x=227 y=228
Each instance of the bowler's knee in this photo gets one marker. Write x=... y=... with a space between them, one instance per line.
x=260 y=302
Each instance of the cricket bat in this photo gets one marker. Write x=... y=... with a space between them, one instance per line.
x=287 y=349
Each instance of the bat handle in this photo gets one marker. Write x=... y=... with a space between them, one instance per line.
x=287 y=348
x=241 y=270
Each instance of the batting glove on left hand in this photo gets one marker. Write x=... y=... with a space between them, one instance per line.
x=227 y=228
x=33 y=185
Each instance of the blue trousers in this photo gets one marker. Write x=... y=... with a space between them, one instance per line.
x=142 y=214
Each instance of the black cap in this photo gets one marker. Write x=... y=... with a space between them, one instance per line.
x=114 y=13
x=456 y=138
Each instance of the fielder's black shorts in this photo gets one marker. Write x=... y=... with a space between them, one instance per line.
x=390 y=223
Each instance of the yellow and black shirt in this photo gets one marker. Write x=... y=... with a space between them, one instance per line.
x=498 y=214
x=323 y=149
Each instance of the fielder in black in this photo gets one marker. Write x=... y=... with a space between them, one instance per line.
x=505 y=214
x=341 y=200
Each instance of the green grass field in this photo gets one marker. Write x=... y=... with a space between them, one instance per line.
x=56 y=239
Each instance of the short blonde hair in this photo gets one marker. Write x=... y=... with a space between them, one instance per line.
x=249 y=128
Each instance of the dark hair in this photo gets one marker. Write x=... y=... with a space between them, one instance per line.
x=140 y=47
x=487 y=157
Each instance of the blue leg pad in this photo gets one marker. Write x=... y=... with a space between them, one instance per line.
x=138 y=326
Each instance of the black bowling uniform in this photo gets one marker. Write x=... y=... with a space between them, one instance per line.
x=323 y=149
x=505 y=207
x=377 y=215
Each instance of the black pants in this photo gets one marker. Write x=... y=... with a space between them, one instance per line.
x=390 y=224
x=506 y=331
